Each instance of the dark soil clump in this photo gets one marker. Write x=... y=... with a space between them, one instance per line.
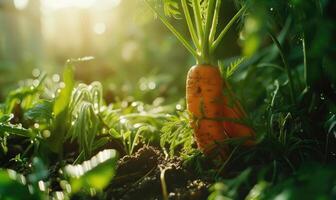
x=142 y=175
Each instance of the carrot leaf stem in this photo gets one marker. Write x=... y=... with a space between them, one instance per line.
x=209 y=17
x=215 y=44
x=198 y=20
x=215 y=21
x=190 y=23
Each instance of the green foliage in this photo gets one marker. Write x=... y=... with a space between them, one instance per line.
x=229 y=189
x=202 y=26
x=285 y=78
x=305 y=184
x=41 y=112
x=232 y=67
x=84 y=109
x=16 y=130
x=94 y=174
x=60 y=111
x=177 y=136
x=23 y=95
x=171 y=8
x=136 y=124
x=63 y=99
x=14 y=186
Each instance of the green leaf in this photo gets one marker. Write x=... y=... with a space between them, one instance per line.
x=95 y=173
x=257 y=191
x=233 y=66
x=171 y=8
x=16 y=130
x=84 y=108
x=115 y=134
x=13 y=186
x=6 y=118
x=61 y=104
x=177 y=135
x=41 y=111
x=62 y=101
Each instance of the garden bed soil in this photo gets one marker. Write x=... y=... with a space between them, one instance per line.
x=142 y=176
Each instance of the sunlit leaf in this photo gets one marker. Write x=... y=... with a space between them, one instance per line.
x=95 y=173
x=62 y=101
x=84 y=107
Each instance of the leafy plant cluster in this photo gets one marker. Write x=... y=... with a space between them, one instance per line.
x=61 y=140
x=60 y=124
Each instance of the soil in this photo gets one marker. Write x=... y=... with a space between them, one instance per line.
x=142 y=175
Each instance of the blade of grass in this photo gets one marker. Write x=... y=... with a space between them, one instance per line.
x=284 y=60
x=304 y=59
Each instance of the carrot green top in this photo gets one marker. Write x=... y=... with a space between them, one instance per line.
x=202 y=26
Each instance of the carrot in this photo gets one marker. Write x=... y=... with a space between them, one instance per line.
x=204 y=94
x=204 y=90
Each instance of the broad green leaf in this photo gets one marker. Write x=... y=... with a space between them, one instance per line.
x=95 y=173
x=13 y=186
x=41 y=111
x=59 y=110
x=62 y=101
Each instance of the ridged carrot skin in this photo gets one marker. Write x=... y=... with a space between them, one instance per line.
x=204 y=93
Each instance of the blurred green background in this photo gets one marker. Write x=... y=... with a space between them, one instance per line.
x=135 y=55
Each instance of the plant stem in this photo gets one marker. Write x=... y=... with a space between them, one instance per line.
x=190 y=23
x=198 y=20
x=174 y=31
x=163 y=184
x=215 y=44
x=284 y=60
x=205 y=50
x=214 y=22
x=304 y=59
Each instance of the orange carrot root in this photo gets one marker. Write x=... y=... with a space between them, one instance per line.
x=205 y=102
x=208 y=106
